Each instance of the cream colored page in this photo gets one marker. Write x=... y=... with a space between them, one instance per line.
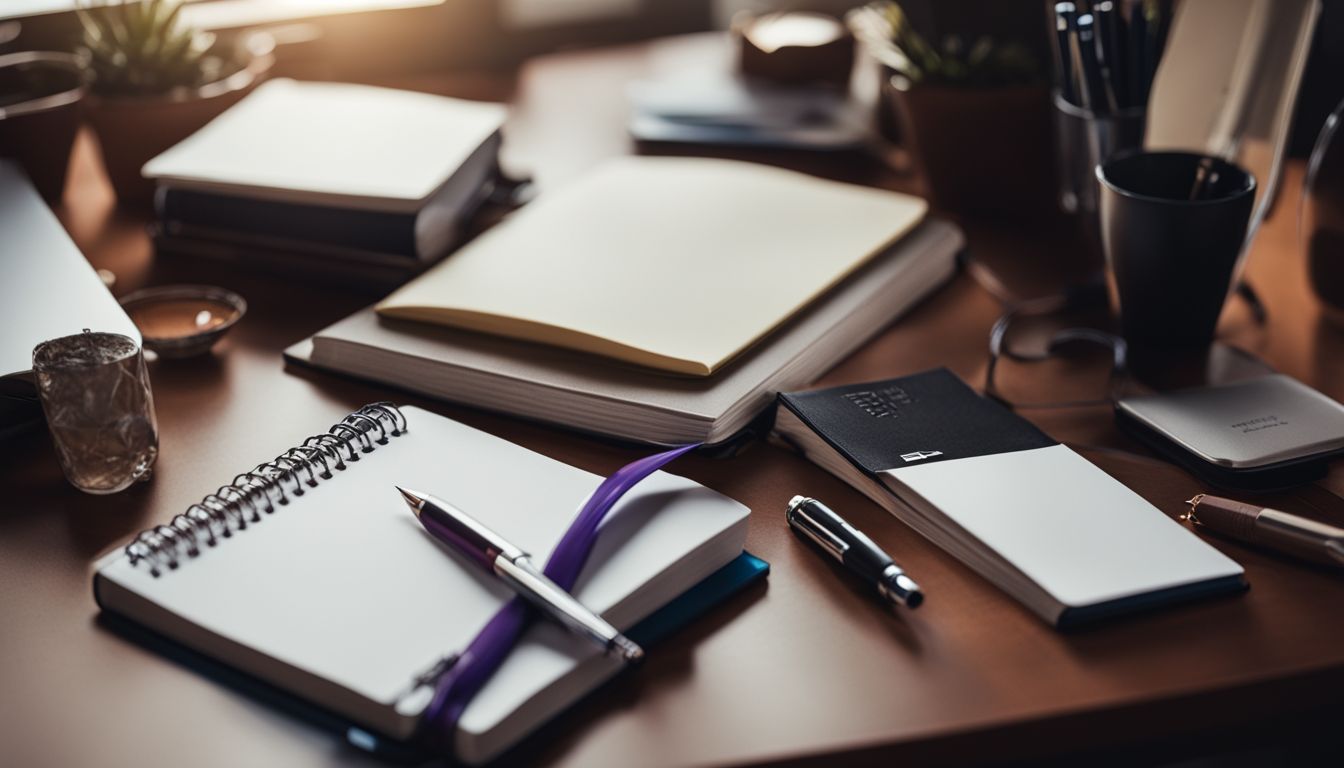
x=692 y=259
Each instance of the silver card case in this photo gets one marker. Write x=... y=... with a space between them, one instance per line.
x=1259 y=434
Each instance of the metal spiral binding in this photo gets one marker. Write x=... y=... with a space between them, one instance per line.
x=254 y=494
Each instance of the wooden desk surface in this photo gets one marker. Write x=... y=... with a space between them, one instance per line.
x=804 y=669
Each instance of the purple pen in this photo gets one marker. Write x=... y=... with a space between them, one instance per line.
x=512 y=565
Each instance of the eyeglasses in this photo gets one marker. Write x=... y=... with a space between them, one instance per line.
x=1071 y=330
x=1044 y=330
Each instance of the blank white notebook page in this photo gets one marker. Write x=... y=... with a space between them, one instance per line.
x=343 y=582
x=1068 y=526
x=676 y=263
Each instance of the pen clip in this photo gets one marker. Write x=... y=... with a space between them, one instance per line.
x=1189 y=515
x=813 y=529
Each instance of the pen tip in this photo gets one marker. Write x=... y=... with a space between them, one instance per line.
x=413 y=500
x=627 y=649
x=900 y=590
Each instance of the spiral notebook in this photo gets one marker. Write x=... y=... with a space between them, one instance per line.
x=310 y=574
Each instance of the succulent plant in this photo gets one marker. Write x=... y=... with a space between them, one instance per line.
x=142 y=47
x=983 y=63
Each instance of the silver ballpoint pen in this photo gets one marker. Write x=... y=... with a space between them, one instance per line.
x=513 y=566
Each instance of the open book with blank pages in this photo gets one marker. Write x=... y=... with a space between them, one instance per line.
x=310 y=574
x=1026 y=512
x=601 y=396
x=671 y=263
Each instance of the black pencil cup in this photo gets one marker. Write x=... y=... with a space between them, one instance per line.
x=1173 y=242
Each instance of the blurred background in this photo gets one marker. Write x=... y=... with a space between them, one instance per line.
x=356 y=40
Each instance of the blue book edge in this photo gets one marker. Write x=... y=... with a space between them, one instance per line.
x=715 y=589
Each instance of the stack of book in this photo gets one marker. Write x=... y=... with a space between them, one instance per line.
x=329 y=179
x=656 y=300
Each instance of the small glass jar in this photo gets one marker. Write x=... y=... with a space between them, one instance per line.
x=95 y=393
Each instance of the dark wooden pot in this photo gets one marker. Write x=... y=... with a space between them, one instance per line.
x=132 y=130
x=40 y=97
x=981 y=151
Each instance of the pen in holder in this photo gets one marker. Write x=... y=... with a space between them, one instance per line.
x=1084 y=139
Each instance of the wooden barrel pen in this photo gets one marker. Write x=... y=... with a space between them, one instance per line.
x=1270 y=528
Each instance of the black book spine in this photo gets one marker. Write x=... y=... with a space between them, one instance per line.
x=377 y=231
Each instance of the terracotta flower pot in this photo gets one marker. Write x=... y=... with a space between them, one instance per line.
x=132 y=130
x=40 y=95
x=981 y=150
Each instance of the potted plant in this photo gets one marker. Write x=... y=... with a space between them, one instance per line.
x=40 y=94
x=154 y=81
x=975 y=115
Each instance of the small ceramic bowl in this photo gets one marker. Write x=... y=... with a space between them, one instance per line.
x=183 y=320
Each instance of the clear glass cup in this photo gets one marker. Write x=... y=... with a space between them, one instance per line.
x=95 y=393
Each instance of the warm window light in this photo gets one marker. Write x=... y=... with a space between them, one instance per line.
x=210 y=14
x=540 y=13
x=770 y=33
x=226 y=14
x=222 y=14
x=216 y=14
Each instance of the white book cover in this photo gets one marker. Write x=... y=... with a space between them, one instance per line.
x=333 y=144
x=48 y=288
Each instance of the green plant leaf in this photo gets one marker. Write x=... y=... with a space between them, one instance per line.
x=985 y=62
x=143 y=47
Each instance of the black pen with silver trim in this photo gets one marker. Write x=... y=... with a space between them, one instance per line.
x=853 y=549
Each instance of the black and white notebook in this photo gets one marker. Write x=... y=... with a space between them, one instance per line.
x=1026 y=512
x=309 y=573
